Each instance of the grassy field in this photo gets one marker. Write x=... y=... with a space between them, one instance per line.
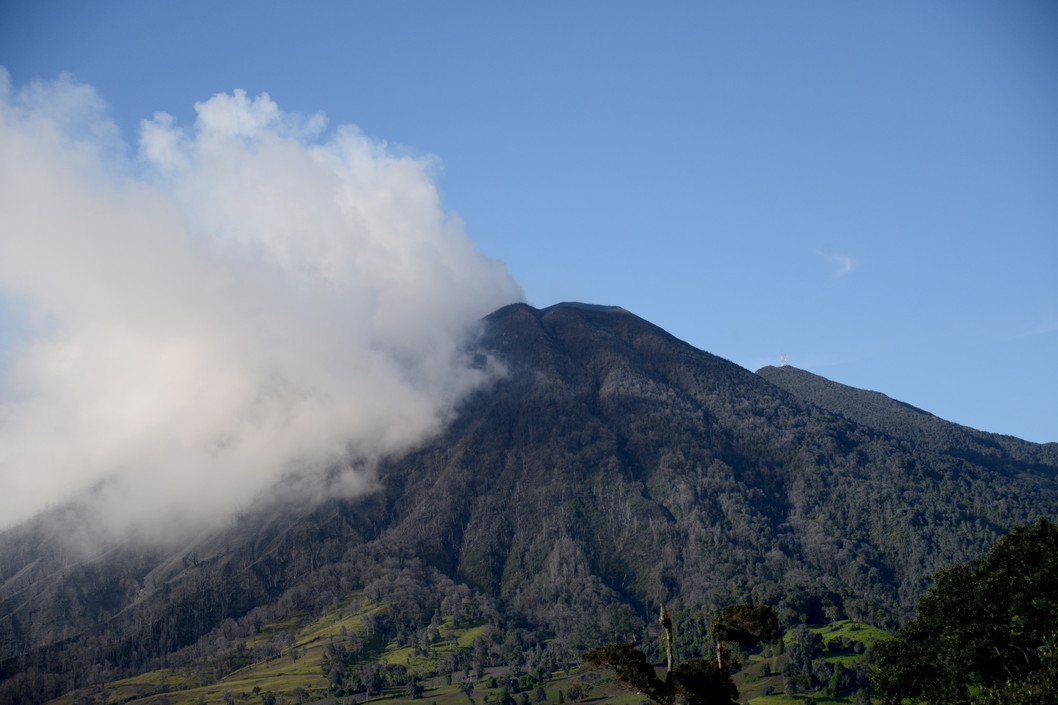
x=284 y=675
x=301 y=680
x=249 y=685
x=853 y=630
x=799 y=700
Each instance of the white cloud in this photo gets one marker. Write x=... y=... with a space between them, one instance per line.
x=842 y=263
x=251 y=297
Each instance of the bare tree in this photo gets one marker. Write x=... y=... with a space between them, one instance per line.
x=666 y=624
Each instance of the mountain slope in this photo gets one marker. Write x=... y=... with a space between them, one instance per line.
x=662 y=470
x=613 y=468
x=903 y=421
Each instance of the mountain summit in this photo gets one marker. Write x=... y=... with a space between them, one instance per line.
x=611 y=469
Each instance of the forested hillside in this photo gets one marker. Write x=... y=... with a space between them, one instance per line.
x=613 y=468
x=903 y=421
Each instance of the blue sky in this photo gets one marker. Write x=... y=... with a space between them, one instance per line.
x=870 y=189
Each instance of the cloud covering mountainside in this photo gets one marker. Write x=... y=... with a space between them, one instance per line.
x=243 y=298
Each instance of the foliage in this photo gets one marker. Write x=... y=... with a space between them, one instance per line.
x=987 y=627
x=701 y=682
x=1034 y=687
x=696 y=681
x=629 y=664
x=746 y=623
x=831 y=660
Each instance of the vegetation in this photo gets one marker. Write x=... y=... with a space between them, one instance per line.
x=349 y=651
x=1003 y=454
x=612 y=469
x=264 y=668
x=986 y=632
x=696 y=681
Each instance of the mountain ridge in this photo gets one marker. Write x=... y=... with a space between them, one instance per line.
x=902 y=420
x=613 y=468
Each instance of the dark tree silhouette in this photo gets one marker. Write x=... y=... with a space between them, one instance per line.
x=745 y=624
x=467 y=686
x=990 y=627
x=696 y=681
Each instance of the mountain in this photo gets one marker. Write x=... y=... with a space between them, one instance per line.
x=613 y=468
x=903 y=421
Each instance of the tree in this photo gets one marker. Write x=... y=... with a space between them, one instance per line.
x=991 y=627
x=666 y=624
x=467 y=686
x=630 y=665
x=1036 y=687
x=695 y=681
x=699 y=681
x=745 y=624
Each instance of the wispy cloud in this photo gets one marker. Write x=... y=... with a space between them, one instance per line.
x=249 y=297
x=842 y=263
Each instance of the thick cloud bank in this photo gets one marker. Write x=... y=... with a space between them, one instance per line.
x=247 y=298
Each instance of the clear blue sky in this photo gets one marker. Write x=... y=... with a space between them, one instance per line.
x=870 y=188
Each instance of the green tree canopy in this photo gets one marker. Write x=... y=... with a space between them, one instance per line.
x=699 y=681
x=747 y=623
x=629 y=664
x=986 y=632
x=696 y=681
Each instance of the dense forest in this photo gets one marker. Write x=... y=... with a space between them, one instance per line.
x=613 y=469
